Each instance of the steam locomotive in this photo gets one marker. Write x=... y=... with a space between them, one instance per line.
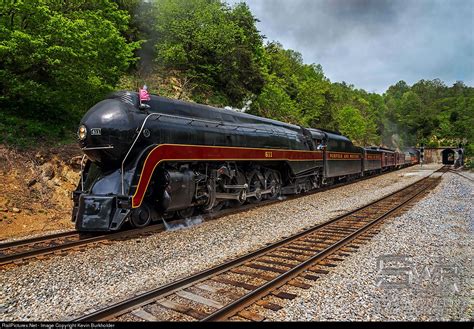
x=173 y=158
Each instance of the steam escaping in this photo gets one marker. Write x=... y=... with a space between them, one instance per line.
x=395 y=136
x=396 y=142
x=185 y=223
x=143 y=17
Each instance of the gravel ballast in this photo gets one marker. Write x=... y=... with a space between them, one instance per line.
x=433 y=241
x=63 y=288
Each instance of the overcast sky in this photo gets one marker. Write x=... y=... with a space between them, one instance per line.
x=375 y=43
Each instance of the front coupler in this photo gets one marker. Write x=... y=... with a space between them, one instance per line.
x=100 y=213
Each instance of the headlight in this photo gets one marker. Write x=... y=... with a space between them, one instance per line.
x=82 y=132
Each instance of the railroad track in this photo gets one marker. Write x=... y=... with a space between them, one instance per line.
x=237 y=289
x=21 y=252
x=463 y=176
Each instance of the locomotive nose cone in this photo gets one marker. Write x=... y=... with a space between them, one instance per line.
x=106 y=130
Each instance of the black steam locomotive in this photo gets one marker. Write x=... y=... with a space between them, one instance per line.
x=173 y=158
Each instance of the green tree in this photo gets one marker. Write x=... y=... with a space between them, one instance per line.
x=352 y=124
x=304 y=86
x=217 y=47
x=275 y=103
x=57 y=59
x=311 y=100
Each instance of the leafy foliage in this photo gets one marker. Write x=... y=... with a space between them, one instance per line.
x=351 y=123
x=431 y=113
x=57 y=59
x=217 y=47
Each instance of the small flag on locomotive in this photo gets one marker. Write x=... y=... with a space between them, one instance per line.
x=144 y=96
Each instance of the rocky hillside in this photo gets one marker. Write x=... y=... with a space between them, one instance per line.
x=35 y=189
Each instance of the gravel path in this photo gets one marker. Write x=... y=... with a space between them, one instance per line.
x=436 y=235
x=62 y=288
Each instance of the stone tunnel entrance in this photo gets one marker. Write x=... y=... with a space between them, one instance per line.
x=448 y=156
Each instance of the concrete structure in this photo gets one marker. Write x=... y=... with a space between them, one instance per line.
x=445 y=155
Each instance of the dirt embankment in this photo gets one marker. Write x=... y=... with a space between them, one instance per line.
x=35 y=189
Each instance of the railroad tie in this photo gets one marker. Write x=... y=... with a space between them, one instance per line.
x=142 y=314
x=222 y=292
x=207 y=288
x=311 y=246
x=318 y=270
x=265 y=268
x=269 y=305
x=352 y=245
x=326 y=263
x=334 y=258
x=292 y=258
x=310 y=277
x=251 y=316
x=284 y=295
x=234 y=283
x=263 y=276
x=358 y=242
x=348 y=249
x=198 y=299
x=342 y=254
x=171 y=305
x=293 y=252
x=298 y=284
x=303 y=248
x=274 y=262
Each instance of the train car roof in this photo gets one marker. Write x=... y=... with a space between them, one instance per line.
x=320 y=133
x=337 y=137
x=165 y=105
x=330 y=131
x=371 y=149
x=378 y=148
x=316 y=133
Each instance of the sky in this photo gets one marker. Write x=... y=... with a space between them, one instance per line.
x=372 y=44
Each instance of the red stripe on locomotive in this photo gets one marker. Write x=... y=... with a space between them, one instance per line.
x=168 y=152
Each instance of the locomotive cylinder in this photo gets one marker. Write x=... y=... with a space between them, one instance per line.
x=177 y=189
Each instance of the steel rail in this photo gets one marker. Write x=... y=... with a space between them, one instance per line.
x=463 y=176
x=162 y=291
x=255 y=295
x=37 y=239
x=7 y=259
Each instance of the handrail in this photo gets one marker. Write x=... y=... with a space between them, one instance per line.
x=108 y=147
x=82 y=172
x=131 y=147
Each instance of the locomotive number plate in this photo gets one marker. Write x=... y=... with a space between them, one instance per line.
x=96 y=131
x=268 y=154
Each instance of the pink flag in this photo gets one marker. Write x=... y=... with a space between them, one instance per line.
x=144 y=96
